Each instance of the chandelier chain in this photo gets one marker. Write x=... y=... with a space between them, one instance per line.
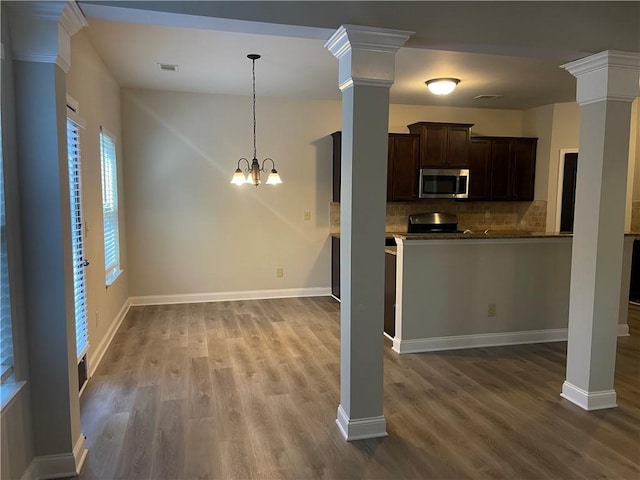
x=254 y=107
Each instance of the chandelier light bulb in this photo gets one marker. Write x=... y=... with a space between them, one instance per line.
x=238 y=177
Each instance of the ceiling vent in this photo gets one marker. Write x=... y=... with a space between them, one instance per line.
x=487 y=97
x=168 y=67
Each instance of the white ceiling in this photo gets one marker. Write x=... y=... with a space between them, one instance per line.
x=211 y=54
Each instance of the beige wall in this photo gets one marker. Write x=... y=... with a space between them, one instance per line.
x=485 y=121
x=558 y=127
x=192 y=232
x=92 y=85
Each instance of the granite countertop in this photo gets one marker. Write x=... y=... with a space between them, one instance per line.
x=477 y=235
x=386 y=234
x=491 y=234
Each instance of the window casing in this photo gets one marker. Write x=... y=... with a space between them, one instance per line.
x=110 y=207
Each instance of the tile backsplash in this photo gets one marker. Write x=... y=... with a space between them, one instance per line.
x=524 y=216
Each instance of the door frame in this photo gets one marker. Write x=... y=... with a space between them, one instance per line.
x=563 y=152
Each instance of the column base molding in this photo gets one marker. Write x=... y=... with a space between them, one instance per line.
x=589 y=400
x=361 y=428
x=63 y=465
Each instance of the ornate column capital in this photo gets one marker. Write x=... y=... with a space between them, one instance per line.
x=366 y=55
x=41 y=31
x=608 y=75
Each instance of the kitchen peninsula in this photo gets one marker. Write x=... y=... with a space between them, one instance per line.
x=473 y=290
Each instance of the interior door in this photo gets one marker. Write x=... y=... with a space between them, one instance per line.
x=568 y=192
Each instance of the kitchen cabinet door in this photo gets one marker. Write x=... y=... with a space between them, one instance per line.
x=479 y=161
x=434 y=145
x=443 y=145
x=337 y=165
x=390 y=294
x=458 y=147
x=524 y=168
x=501 y=176
x=402 y=169
x=335 y=266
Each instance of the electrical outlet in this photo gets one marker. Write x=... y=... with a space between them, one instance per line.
x=97 y=318
x=491 y=311
x=307 y=215
x=487 y=213
x=279 y=272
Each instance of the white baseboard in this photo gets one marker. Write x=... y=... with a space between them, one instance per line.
x=95 y=359
x=589 y=400
x=623 y=330
x=361 y=428
x=230 y=296
x=458 y=342
x=31 y=473
x=80 y=452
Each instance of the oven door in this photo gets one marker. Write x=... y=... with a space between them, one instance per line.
x=443 y=183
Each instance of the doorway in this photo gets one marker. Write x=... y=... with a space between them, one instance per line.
x=567 y=174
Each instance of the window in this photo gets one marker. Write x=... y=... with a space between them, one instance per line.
x=6 y=338
x=110 y=207
x=77 y=239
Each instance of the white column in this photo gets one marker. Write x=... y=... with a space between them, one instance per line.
x=607 y=83
x=40 y=45
x=366 y=72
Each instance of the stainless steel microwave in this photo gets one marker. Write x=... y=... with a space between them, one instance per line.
x=443 y=183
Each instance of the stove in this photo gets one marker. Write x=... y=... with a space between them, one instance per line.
x=433 y=223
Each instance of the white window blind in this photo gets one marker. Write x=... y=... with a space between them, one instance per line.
x=6 y=338
x=77 y=239
x=110 y=207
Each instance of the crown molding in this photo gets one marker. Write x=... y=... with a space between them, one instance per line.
x=366 y=55
x=42 y=31
x=73 y=19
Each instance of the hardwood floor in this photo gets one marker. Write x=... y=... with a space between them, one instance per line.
x=249 y=389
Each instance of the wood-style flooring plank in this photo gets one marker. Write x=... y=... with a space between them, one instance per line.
x=134 y=461
x=169 y=441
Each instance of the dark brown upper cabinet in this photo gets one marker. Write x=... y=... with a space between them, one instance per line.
x=402 y=168
x=502 y=168
x=443 y=145
x=479 y=163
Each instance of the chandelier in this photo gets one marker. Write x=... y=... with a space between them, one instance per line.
x=254 y=170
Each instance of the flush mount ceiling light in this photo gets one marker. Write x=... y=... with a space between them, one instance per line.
x=442 y=86
x=253 y=171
